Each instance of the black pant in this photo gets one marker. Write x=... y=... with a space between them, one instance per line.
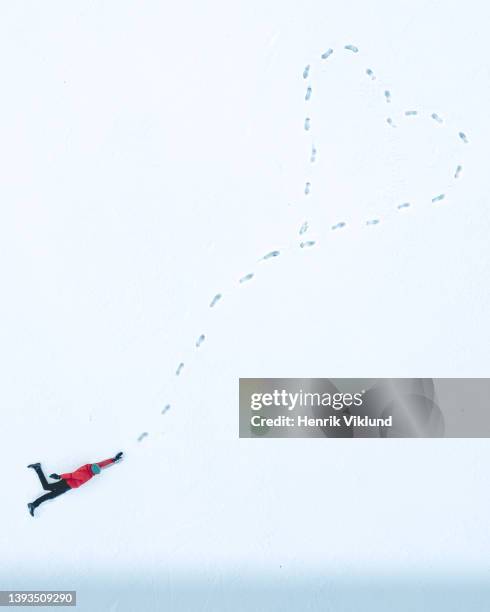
x=54 y=488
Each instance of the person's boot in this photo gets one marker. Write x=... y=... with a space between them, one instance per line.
x=31 y=508
x=34 y=466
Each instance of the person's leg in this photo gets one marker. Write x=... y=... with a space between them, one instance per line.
x=45 y=484
x=56 y=489
x=45 y=497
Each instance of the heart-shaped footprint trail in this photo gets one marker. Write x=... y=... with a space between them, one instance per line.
x=332 y=118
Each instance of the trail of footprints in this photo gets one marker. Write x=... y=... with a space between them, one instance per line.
x=306 y=244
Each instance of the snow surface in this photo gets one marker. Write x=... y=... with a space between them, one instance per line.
x=151 y=156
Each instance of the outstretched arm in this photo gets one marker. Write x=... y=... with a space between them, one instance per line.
x=102 y=464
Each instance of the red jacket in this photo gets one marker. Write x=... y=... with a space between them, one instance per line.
x=83 y=474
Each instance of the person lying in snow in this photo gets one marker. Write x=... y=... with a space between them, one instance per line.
x=70 y=480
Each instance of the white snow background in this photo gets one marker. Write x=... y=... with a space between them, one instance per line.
x=150 y=154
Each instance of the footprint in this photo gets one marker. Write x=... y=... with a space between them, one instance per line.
x=179 y=369
x=458 y=172
x=307 y=244
x=387 y=95
x=200 y=340
x=338 y=225
x=215 y=300
x=411 y=113
x=303 y=228
x=306 y=72
x=307 y=188
x=308 y=94
x=142 y=436
x=352 y=48
x=463 y=137
x=271 y=254
x=404 y=205
x=327 y=54
x=370 y=73
x=438 y=198
x=246 y=278
x=307 y=124
x=313 y=155
x=166 y=409
x=436 y=118
x=372 y=222
x=389 y=121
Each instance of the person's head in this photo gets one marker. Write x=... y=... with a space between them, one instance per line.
x=95 y=468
